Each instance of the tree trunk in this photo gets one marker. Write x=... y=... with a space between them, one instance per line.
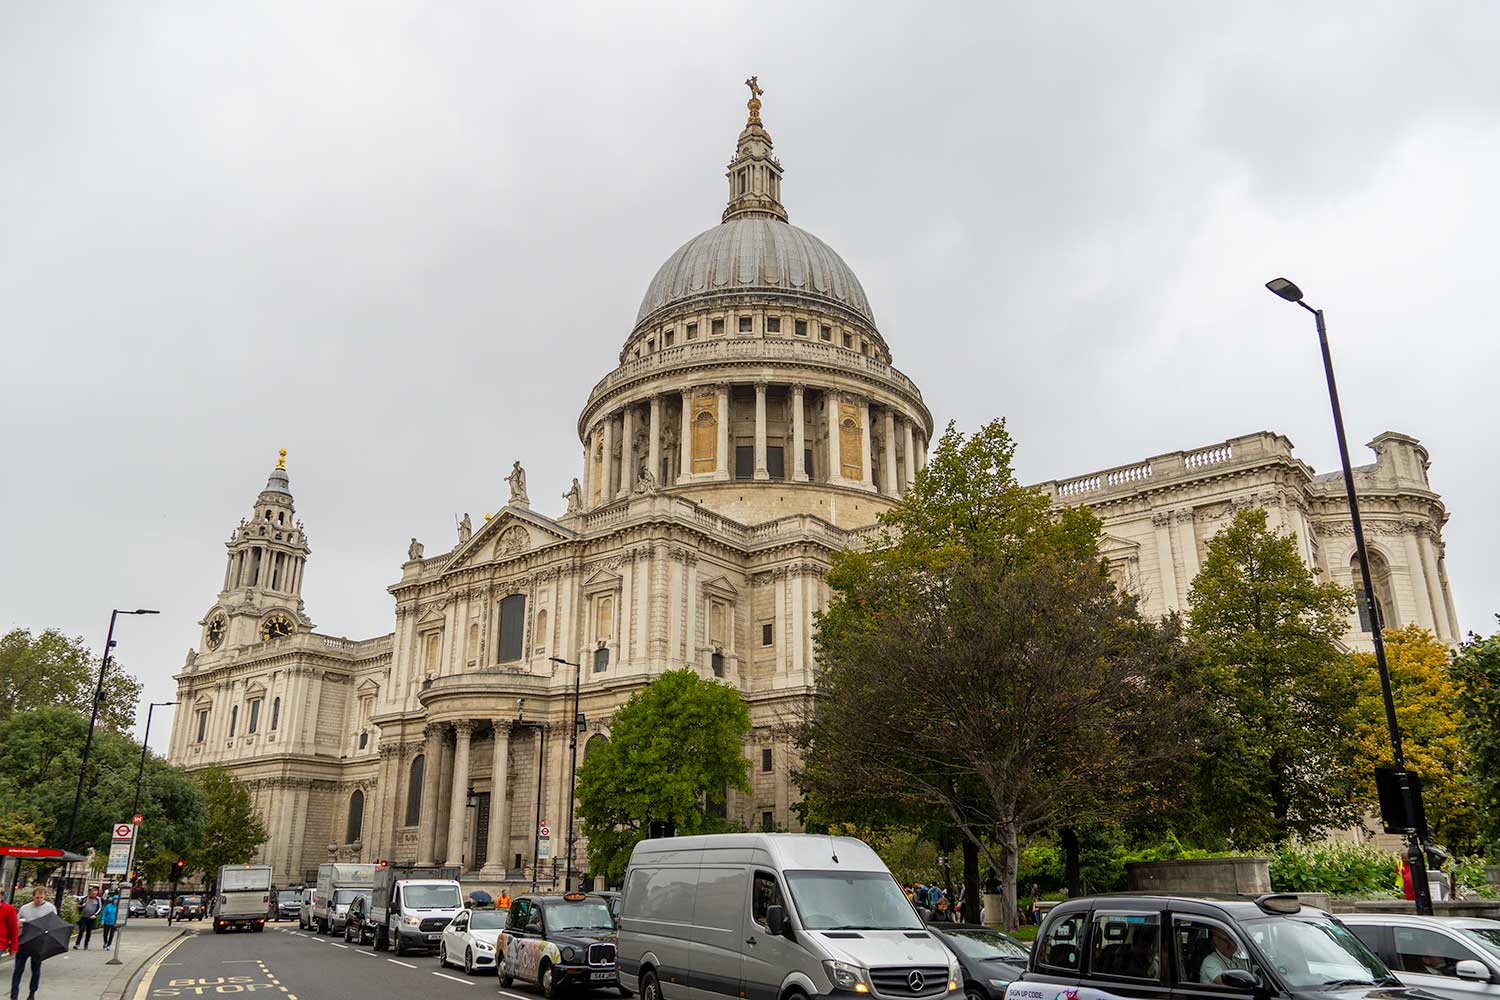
x=972 y=901
x=1072 y=862
x=1010 y=862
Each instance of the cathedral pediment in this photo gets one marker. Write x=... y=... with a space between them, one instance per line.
x=509 y=533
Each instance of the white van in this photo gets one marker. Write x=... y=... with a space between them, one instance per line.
x=773 y=916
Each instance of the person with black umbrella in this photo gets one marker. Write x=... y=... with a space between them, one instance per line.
x=35 y=918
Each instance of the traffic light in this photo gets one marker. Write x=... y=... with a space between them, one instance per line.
x=178 y=867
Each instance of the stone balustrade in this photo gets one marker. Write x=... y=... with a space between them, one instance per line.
x=1208 y=460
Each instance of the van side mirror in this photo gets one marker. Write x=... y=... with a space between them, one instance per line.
x=1473 y=970
x=776 y=919
x=1241 y=979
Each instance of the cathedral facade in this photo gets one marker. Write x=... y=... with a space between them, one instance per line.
x=753 y=427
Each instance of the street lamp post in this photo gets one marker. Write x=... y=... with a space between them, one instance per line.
x=88 y=741
x=145 y=740
x=572 y=765
x=541 y=755
x=1416 y=855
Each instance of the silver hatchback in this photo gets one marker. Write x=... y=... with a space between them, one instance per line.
x=1454 y=956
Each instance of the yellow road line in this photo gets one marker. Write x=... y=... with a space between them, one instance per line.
x=149 y=974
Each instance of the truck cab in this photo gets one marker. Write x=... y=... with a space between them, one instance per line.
x=409 y=907
x=242 y=898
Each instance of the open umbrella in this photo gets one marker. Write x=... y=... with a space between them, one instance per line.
x=45 y=936
x=481 y=897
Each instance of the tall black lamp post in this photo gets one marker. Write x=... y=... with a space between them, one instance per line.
x=572 y=766
x=1416 y=855
x=88 y=741
x=145 y=741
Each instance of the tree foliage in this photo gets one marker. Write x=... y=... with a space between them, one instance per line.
x=51 y=670
x=1475 y=670
x=675 y=748
x=232 y=832
x=1431 y=724
x=1282 y=761
x=979 y=663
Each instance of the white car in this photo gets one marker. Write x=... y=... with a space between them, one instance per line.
x=471 y=940
x=1449 y=956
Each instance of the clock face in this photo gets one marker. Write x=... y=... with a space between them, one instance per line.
x=276 y=626
x=216 y=629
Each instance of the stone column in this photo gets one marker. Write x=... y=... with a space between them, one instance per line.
x=458 y=807
x=723 y=470
x=685 y=451
x=427 y=850
x=890 y=452
x=627 y=450
x=1434 y=589
x=1187 y=537
x=588 y=469
x=761 y=471
x=606 y=465
x=835 y=466
x=867 y=467
x=1171 y=599
x=498 y=844
x=1416 y=572
x=911 y=452
x=653 y=450
x=799 y=435
x=922 y=454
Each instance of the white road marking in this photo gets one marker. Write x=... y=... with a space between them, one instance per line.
x=367 y=954
x=407 y=964
x=445 y=975
x=337 y=945
x=228 y=961
x=515 y=996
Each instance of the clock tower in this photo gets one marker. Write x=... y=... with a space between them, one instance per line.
x=262 y=595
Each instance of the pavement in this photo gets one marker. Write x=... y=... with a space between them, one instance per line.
x=84 y=975
x=283 y=963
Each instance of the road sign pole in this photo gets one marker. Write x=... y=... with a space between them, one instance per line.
x=122 y=908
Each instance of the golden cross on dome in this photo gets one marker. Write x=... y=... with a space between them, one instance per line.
x=754 y=103
x=754 y=84
x=281 y=462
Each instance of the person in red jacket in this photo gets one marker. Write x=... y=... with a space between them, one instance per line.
x=10 y=928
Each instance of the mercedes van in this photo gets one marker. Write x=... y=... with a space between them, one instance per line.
x=772 y=916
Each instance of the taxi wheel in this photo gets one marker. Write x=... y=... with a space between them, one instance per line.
x=548 y=981
x=506 y=979
x=468 y=961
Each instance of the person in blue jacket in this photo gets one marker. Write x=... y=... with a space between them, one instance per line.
x=107 y=919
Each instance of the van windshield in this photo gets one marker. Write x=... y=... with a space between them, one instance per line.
x=851 y=901
x=430 y=897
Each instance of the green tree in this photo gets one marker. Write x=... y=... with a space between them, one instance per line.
x=231 y=832
x=1283 y=759
x=1475 y=670
x=977 y=661
x=52 y=670
x=675 y=749
x=1432 y=725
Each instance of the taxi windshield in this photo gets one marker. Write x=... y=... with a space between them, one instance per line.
x=1315 y=952
x=584 y=915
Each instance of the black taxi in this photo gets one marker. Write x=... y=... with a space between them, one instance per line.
x=559 y=941
x=1140 y=947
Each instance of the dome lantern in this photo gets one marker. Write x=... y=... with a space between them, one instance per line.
x=754 y=174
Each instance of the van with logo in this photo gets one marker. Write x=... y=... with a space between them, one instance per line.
x=773 y=916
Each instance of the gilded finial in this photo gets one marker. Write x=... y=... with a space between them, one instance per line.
x=754 y=104
x=488 y=515
x=281 y=461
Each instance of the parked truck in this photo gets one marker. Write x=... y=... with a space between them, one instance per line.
x=242 y=898
x=410 y=906
x=338 y=885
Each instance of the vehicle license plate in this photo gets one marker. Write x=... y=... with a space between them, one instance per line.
x=600 y=977
x=432 y=937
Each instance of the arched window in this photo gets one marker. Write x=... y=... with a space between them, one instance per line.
x=254 y=725
x=414 y=790
x=356 y=823
x=601 y=659
x=594 y=743
x=234 y=718
x=512 y=628
x=1380 y=577
x=275 y=714
x=717 y=662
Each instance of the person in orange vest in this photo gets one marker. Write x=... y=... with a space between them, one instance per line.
x=503 y=902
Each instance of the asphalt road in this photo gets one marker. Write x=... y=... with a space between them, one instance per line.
x=283 y=963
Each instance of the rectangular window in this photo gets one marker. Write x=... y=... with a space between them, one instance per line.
x=254 y=716
x=825 y=333
x=799 y=327
x=767 y=822
x=718 y=327
x=717 y=663
x=807 y=465
x=650 y=344
x=667 y=338
x=512 y=627
x=744 y=461
x=1126 y=945
x=747 y=324
x=765 y=760
x=692 y=331
x=765 y=891
x=776 y=461
x=1428 y=952
x=1060 y=947
x=275 y=713
x=202 y=726
x=767 y=635
x=601 y=659
x=773 y=324
x=848 y=340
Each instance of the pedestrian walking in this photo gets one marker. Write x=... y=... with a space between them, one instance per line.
x=107 y=917
x=88 y=915
x=34 y=910
x=10 y=928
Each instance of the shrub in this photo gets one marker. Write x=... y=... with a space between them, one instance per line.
x=1470 y=878
x=1350 y=870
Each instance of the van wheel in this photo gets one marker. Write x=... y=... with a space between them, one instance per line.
x=650 y=988
x=548 y=982
x=382 y=939
x=973 y=994
x=397 y=948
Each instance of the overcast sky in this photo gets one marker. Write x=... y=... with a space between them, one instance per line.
x=404 y=241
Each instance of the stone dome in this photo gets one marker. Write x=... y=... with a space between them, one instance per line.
x=755 y=254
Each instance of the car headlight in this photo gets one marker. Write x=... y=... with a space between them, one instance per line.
x=1000 y=984
x=955 y=976
x=411 y=921
x=567 y=954
x=846 y=977
x=483 y=945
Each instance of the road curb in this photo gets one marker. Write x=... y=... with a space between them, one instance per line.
x=120 y=982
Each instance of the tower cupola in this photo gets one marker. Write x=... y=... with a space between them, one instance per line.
x=754 y=174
